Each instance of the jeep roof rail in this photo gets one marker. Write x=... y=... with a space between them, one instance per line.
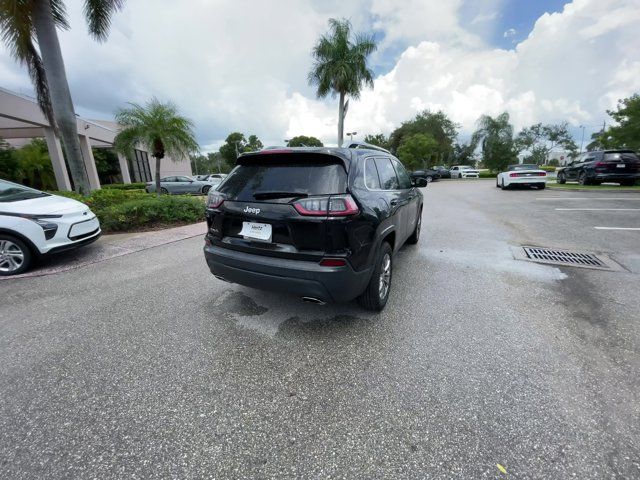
x=354 y=144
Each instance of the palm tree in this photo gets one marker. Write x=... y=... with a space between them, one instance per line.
x=340 y=65
x=496 y=137
x=25 y=22
x=159 y=127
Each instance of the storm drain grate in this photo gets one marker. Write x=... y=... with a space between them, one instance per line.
x=568 y=258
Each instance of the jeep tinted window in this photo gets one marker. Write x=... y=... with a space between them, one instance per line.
x=371 y=175
x=403 y=177
x=285 y=173
x=388 y=179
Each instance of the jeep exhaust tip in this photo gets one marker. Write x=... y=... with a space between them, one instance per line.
x=316 y=301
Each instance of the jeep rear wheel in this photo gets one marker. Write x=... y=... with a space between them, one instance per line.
x=376 y=295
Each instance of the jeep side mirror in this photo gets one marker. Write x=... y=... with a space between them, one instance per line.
x=420 y=182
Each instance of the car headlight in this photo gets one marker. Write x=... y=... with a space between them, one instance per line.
x=49 y=228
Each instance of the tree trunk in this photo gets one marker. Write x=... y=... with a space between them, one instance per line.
x=158 y=188
x=341 y=120
x=61 y=102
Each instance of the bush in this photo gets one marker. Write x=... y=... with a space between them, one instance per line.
x=124 y=186
x=151 y=211
x=487 y=175
x=547 y=168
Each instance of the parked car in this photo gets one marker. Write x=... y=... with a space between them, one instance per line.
x=593 y=168
x=34 y=224
x=183 y=185
x=464 y=171
x=429 y=174
x=524 y=175
x=321 y=223
x=444 y=172
x=213 y=177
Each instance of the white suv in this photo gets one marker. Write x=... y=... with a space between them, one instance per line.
x=464 y=171
x=34 y=224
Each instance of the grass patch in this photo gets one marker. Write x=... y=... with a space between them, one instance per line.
x=128 y=210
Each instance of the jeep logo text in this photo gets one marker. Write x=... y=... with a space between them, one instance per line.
x=248 y=209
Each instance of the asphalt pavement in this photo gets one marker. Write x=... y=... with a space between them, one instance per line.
x=146 y=366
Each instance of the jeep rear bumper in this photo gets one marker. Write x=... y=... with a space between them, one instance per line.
x=297 y=277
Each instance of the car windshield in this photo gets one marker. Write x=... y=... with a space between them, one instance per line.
x=12 y=192
x=524 y=166
x=464 y=166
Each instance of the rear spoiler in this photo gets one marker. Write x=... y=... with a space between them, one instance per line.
x=301 y=155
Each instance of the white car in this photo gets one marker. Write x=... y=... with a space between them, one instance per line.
x=34 y=224
x=464 y=171
x=525 y=175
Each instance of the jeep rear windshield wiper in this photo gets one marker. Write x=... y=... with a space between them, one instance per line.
x=264 y=194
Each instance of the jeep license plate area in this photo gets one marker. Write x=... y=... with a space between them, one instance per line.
x=256 y=231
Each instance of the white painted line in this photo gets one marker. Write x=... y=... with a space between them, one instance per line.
x=586 y=198
x=598 y=209
x=618 y=228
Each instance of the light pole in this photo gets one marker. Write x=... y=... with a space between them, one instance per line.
x=351 y=134
x=582 y=141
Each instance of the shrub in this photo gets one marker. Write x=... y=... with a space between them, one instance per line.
x=124 y=186
x=487 y=175
x=107 y=197
x=150 y=211
x=547 y=168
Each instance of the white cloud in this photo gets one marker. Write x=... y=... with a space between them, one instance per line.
x=509 y=33
x=242 y=65
x=485 y=17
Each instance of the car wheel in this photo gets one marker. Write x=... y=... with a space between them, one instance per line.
x=164 y=191
x=376 y=295
x=562 y=179
x=582 y=179
x=542 y=186
x=415 y=236
x=429 y=179
x=627 y=183
x=15 y=256
x=206 y=189
x=502 y=185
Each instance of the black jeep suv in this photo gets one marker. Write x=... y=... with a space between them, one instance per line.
x=593 y=168
x=321 y=223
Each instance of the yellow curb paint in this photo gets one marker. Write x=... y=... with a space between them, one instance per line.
x=501 y=468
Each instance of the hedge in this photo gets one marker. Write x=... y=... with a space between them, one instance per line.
x=124 y=186
x=122 y=210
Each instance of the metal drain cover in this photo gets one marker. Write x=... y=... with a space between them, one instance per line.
x=566 y=258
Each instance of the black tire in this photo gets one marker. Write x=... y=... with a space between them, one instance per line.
x=582 y=179
x=206 y=189
x=10 y=249
x=542 y=186
x=562 y=179
x=372 y=298
x=164 y=191
x=502 y=185
x=429 y=179
x=627 y=183
x=415 y=236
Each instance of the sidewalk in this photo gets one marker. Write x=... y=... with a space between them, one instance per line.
x=111 y=246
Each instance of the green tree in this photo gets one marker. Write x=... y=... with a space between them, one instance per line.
x=540 y=140
x=304 y=141
x=23 y=23
x=253 y=144
x=464 y=153
x=496 y=138
x=34 y=165
x=340 y=66
x=626 y=134
x=417 y=151
x=233 y=146
x=8 y=162
x=379 y=140
x=160 y=128
x=437 y=125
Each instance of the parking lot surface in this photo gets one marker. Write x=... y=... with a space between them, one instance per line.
x=146 y=366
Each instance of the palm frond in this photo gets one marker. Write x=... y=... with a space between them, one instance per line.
x=98 y=14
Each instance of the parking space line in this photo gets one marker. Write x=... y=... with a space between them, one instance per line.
x=618 y=228
x=587 y=198
x=598 y=209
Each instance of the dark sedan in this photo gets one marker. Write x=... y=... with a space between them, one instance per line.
x=429 y=175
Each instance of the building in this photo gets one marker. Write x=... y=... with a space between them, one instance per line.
x=21 y=120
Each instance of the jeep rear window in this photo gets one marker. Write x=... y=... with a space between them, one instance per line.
x=306 y=176
x=621 y=156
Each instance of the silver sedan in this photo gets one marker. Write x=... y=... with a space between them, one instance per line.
x=182 y=185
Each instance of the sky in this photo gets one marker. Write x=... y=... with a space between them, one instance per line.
x=242 y=65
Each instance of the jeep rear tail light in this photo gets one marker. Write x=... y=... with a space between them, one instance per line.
x=333 y=206
x=214 y=200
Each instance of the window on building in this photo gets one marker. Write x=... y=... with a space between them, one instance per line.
x=139 y=166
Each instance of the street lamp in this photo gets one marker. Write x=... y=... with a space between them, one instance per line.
x=351 y=134
x=582 y=141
